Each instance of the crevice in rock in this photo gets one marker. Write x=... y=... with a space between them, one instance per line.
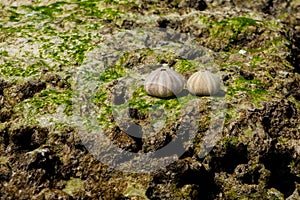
x=281 y=178
x=268 y=7
x=186 y=172
x=129 y=139
x=277 y=117
x=249 y=174
x=295 y=57
x=27 y=138
x=234 y=155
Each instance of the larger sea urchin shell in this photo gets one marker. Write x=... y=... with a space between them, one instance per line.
x=164 y=82
x=203 y=83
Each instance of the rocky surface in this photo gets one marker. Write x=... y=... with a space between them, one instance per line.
x=43 y=154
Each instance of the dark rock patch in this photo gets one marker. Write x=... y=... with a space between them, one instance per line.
x=280 y=118
x=26 y=138
x=278 y=161
x=249 y=174
x=20 y=92
x=187 y=176
x=229 y=157
x=196 y=4
x=5 y=115
x=55 y=80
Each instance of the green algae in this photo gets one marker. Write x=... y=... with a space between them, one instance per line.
x=232 y=27
x=256 y=60
x=73 y=185
x=21 y=68
x=253 y=88
x=184 y=65
x=47 y=102
x=10 y=69
x=57 y=9
x=236 y=23
x=112 y=73
x=68 y=51
x=132 y=191
x=140 y=101
x=49 y=28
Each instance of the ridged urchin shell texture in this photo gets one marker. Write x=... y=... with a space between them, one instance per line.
x=164 y=82
x=203 y=83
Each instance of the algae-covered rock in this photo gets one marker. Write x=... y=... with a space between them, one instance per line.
x=245 y=142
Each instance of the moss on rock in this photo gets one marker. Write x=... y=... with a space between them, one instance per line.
x=42 y=46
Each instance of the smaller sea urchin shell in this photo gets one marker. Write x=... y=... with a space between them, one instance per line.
x=164 y=82
x=203 y=83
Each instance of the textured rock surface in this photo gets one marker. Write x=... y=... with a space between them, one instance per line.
x=257 y=50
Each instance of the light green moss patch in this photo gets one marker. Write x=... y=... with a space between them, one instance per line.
x=73 y=185
x=183 y=66
x=112 y=73
x=249 y=132
x=10 y=69
x=230 y=28
x=251 y=88
x=59 y=34
x=230 y=141
x=135 y=192
x=56 y=10
x=256 y=60
x=47 y=101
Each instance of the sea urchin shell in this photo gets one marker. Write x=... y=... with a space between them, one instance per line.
x=203 y=83
x=164 y=82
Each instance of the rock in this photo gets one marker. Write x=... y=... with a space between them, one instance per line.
x=27 y=138
x=19 y=92
x=185 y=179
x=196 y=4
x=5 y=115
x=280 y=118
x=255 y=48
x=49 y=194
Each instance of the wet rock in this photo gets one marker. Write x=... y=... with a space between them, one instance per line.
x=42 y=158
x=159 y=140
x=233 y=189
x=19 y=92
x=296 y=194
x=257 y=156
x=127 y=138
x=5 y=115
x=196 y=4
x=129 y=24
x=278 y=161
x=26 y=138
x=135 y=114
x=184 y=179
x=172 y=23
x=32 y=172
x=49 y=194
x=3 y=85
x=252 y=174
x=5 y=170
x=247 y=74
x=280 y=118
x=228 y=157
x=55 y=80
x=4 y=137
